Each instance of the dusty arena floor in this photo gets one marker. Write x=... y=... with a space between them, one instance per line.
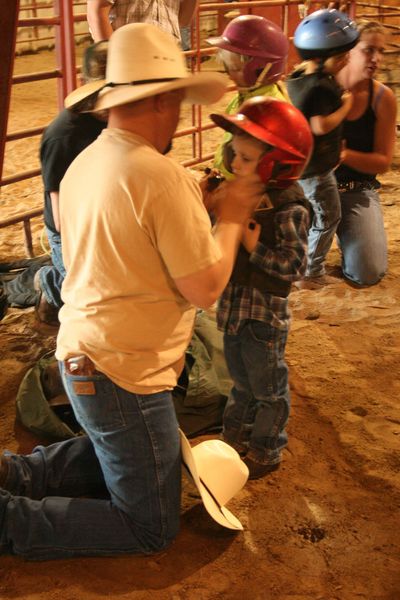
x=326 y=525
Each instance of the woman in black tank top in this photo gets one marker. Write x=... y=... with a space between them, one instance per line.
x=369 y=136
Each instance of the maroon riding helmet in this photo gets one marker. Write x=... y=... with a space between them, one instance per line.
x=253 y=49
x=283 y=128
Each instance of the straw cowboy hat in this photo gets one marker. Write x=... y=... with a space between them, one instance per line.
x=219 y=474
x=144 y=61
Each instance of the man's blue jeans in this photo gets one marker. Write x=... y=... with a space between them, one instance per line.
x=130 y=462
x=258 y=406
x=51 y=277
x=362 y=237
x=322 y=193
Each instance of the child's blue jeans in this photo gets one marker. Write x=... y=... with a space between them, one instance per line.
x=322 y=193
x=258 y=406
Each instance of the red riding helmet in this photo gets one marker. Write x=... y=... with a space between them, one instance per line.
x=259 y=44
x=280 y=125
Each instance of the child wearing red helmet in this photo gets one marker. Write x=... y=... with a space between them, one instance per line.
x=254 y=52
x=271 y=138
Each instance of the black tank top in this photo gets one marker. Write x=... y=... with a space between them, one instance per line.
x=359 y=135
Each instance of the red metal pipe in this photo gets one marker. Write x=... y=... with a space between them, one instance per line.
x=24 y=133
x=65 y=49
x=35 y=21
x=30 y=214
x=8 y=36
x=20 y=176
x=252 y=4
x=36 y=76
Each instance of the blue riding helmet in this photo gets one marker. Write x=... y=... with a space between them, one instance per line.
x=325 y=33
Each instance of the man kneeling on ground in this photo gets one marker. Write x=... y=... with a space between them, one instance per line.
x=139 y=253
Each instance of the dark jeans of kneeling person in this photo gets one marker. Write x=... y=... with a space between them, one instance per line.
x=130 y=458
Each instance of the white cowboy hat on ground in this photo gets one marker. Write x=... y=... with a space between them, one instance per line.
x=219 y=474
x=144 y=61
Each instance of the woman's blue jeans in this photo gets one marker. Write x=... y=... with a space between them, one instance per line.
x=129 y=460
x=258 y=406
x=362 y=237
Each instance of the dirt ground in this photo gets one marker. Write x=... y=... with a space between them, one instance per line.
x=326 y=526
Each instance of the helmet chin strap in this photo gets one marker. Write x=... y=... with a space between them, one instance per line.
x=321 y=65
x=263 y=73
x=258 y=82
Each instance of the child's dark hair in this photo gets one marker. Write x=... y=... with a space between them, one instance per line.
x=243 y=134
x=94 y=61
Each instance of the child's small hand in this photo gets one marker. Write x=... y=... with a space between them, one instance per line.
x=347 y=100
x=251 y=233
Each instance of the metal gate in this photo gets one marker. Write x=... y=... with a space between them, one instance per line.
x=30 y=25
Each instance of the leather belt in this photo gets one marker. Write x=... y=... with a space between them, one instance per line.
x=357 y=186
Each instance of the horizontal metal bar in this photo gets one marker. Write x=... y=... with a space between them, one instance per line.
x=370 y=5
x=25 y=216
x=51 y=37
x=80 y=17
x=197 y=160
x=378 y=14
x=39 y=76
x=45 y=6
x=37 y=21
x=18 y=135
x=20 y=177
x=36 y=6
x=228 y=6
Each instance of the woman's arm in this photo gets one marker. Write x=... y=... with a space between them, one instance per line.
x=380 y=159
x=98 y=21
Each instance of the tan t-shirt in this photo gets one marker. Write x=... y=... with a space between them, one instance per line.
x=132 y=220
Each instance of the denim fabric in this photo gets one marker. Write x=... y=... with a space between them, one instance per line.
x=186 y=38
x=362 y=237
x=130 y=460
x=51 y=277
x=258 y=406
x=323 y=195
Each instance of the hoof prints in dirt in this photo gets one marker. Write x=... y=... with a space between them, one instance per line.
x=312 y=534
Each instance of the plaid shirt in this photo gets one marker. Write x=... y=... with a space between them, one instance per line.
x=287 y=260
x=163 y=13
